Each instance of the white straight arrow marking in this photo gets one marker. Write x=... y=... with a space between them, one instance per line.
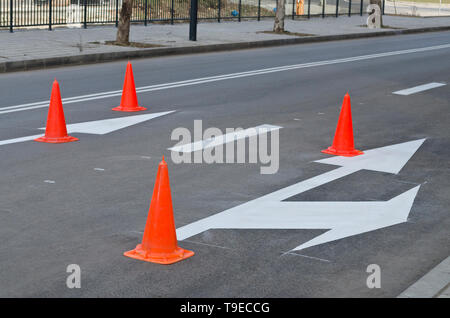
x=223 y=139
x=105 y=126
x=342 y=218
x=20 y=139
x=97 y=127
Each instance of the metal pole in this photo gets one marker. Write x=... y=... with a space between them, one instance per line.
x=323 y=8
x=146 y=12
x=384 y=2
x=193 y=22
x=309 y=9
x=337 y=8
x=239 y=17
x=49 y=15
x=293 y=9
x=361 y=8
x=85 y=14
x=11 y=8
x=171 y=13
x=259 y=10
x=218 y=11
x=117 y=13
x=349 y=7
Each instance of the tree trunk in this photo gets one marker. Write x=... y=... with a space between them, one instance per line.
x=379 y=3
x=278 y=25
x=123 y=28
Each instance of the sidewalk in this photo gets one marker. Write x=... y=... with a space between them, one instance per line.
x=26 y=49
x=435 y=284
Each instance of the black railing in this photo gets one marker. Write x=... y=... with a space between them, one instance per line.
x=28 y=13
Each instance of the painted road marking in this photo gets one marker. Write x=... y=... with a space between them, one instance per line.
x=106 y=126
x=17 y=140
x=224 y=139
x=82 y=98
x=342 y=218
x=97 y=127
x=418 y=89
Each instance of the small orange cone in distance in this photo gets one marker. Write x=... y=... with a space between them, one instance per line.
x=343 y=144
x=56 y=131
x=129 y=102
x=159 y=243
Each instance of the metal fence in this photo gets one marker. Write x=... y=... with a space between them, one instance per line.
x=29 y=13
x=418 y=8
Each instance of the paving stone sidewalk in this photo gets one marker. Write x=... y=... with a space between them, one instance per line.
x=40 y=43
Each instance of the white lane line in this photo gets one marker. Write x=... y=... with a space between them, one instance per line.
x=197 y=81
x=223 y=139
x=417 y=89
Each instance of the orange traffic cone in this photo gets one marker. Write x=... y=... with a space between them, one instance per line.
x=159 y=243
x=56 y=131
x=129 y=102
x=343 y=138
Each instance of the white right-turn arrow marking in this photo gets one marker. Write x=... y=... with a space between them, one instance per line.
x=342 y=218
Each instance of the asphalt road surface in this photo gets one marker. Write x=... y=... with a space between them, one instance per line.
x=86 y=202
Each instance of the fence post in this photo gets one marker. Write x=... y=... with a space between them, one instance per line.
x=193 y=22
x=49 y=15
x=239 y=17
x=85 y=14
x=259 y=10
x=337 y=8
x=218 y=11
x=145 y=12
x=11 y=8
x=171 y=13
x=323 y=8
x=117 y=13
x=309 y=9
x=361 y=8
x=349 y=7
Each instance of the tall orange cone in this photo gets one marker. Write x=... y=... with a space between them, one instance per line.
x=129 y=102
x=343 y=144
x=56 y=131
x=159 y=243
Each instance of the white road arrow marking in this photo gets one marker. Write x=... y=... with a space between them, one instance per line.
x=105 y=126
x=224 y=139
x=97 y=127
x=342 y=218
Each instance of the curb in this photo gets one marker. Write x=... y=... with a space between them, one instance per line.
x=25 y=65
x=432 y=285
